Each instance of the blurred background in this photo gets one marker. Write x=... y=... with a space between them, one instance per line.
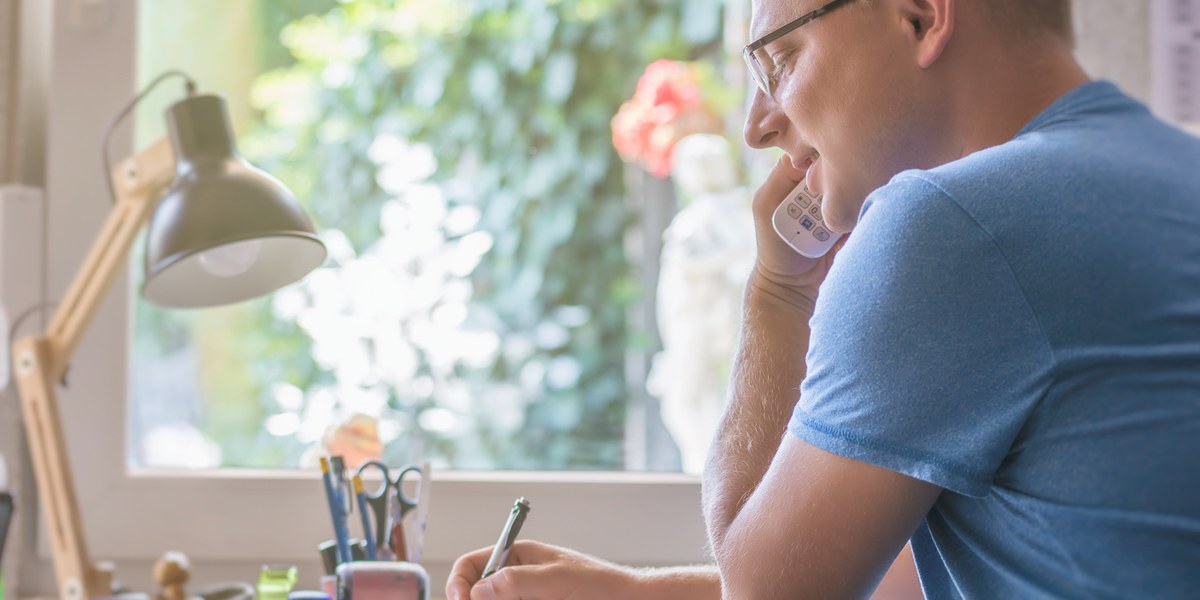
x=490 y=301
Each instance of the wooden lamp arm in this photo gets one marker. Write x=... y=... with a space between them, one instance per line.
x=138 y=182
x=41 y=361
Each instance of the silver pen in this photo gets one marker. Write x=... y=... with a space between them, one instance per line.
x=507 y=537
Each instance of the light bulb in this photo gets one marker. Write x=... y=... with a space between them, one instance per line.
x=230 y=260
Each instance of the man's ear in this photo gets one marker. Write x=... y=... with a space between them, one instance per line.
x=930 y=25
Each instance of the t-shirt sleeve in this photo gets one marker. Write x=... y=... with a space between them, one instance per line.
x=925 y=358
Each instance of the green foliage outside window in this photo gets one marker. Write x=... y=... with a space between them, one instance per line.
x=484 y=126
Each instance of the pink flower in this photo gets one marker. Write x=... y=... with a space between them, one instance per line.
x=646 y=127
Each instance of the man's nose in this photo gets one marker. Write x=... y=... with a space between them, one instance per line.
x=764 y=121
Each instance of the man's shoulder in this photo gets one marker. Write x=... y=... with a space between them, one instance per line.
x=1040 y=176
x=1100 y=145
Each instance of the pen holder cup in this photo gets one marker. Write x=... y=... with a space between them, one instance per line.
x=382 y=580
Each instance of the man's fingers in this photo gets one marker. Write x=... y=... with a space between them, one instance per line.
x=465 y=572
x=528 y=571
x=458 y=588
x=530 y=552
x=533 y=582
x=782 y=179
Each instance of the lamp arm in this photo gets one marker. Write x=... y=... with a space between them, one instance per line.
x=138 y=182
x=189 y=89
x=40 y=362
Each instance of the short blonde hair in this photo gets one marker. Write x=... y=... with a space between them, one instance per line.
x=1025 y=19
x=1030 y=18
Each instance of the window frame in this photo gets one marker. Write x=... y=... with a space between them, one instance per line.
x=216 y=517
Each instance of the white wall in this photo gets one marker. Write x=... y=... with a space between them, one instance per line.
x=1113 y=42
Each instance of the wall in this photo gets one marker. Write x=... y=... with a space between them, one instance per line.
x=1113 y=42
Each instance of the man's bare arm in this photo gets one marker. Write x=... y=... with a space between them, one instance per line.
x=787 y=519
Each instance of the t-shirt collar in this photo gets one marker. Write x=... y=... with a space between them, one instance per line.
x=1082 y=95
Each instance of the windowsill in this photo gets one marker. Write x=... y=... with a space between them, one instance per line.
x=439 y=478
x=245 y=514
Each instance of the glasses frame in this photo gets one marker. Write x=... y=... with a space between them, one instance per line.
x=757 y=70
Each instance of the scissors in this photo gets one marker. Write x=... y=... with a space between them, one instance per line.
x=382 y=504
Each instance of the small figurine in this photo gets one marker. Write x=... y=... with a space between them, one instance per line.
x=708 y=252
x=356 y=440
x=170 y=573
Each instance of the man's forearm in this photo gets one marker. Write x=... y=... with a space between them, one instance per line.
x=678 y=583
x=768 y=368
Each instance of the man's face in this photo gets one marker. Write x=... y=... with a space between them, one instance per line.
x=843 y=105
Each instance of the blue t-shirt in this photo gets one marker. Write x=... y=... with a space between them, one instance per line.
x=1022 y=328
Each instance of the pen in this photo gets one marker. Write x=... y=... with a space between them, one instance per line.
x=342 y=485
x=399 y=540
x=507 y=536
x=366 y=519
x=338 y=513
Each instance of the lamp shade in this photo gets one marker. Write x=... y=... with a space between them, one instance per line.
x=225 y=231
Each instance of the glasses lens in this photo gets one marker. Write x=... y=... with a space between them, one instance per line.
x=761 y=66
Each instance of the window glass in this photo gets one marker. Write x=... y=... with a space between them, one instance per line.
x=492 y=298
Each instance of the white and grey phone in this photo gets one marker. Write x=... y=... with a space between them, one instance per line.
x=798 y=221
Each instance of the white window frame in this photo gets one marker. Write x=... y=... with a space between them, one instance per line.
x=250 y=517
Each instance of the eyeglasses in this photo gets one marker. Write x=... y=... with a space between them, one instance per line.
x=762 y=67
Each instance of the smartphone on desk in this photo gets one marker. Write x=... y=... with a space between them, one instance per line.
x=798 y=221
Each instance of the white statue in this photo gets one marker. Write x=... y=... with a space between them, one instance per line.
x=708 y=251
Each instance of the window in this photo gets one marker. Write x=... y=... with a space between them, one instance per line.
x=475 y=308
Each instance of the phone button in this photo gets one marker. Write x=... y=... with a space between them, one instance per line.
x=820 y=234
x=794 y=210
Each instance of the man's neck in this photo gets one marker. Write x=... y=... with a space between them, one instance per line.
x=996 y=102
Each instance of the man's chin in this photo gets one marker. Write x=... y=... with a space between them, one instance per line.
x=837 y=226
x=839 y=216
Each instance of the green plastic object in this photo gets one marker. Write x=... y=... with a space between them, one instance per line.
x=275 y=582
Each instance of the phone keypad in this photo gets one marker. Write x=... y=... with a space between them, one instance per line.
x=799 y=221
x=808 y=219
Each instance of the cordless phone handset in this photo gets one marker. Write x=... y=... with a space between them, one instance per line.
x=799 y=222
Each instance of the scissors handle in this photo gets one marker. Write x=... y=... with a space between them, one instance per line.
x=380 y=501
x=389 y=512
x=406 y=502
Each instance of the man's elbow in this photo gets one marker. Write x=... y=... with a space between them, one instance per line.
x=746 y=584
x=746 y=576
x=740 y=586
x=751 y=587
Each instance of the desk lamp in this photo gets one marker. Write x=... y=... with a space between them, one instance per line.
x=222 y=231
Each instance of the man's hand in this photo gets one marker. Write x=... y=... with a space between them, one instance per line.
x=779 y=270
x=537 y=571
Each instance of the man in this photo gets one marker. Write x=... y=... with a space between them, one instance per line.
x=1005 y=356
